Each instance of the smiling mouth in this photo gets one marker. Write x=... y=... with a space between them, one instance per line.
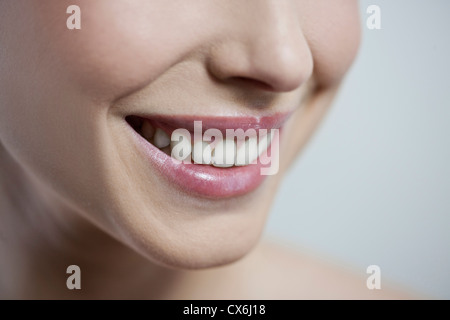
x=233 y=147
x=215 y=168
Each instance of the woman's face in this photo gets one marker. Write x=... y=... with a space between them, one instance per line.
x=76 y=105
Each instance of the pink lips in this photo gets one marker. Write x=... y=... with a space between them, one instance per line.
x=203 y=180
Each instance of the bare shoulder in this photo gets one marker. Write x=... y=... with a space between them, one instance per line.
x=286 y=273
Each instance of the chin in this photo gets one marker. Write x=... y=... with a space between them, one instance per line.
x=190 y=240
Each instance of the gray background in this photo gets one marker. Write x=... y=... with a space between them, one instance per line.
x=373 y=185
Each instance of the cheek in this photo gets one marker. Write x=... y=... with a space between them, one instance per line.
x=333 y=36
x=121 y=46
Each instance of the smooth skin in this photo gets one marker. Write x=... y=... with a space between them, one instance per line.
x=73 y=190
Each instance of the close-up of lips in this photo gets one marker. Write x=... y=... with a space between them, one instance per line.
x=222 y=170
x=150 y=150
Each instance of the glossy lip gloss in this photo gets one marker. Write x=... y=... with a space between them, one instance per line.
x=204 y=180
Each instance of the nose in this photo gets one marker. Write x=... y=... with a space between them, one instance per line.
x=264 y=46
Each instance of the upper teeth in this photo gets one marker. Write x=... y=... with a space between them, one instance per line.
x=202 y=153
x=161 y=139
x=147 y=130
x=247 y=152
x=264 y=143
x=222 y=153
x=181 y=145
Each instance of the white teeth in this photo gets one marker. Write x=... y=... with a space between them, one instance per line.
x=201 y=154
x=247 y=152
x=161 y=139
x=264 y=142
x=224 y=153
x=181 y=144
x=147 y=130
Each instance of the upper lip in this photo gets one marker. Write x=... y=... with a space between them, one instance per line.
x=222 y=123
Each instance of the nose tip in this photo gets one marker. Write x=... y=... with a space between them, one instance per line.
x=281 y=67
x=272 y=60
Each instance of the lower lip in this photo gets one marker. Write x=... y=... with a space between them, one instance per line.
x=203 y=180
